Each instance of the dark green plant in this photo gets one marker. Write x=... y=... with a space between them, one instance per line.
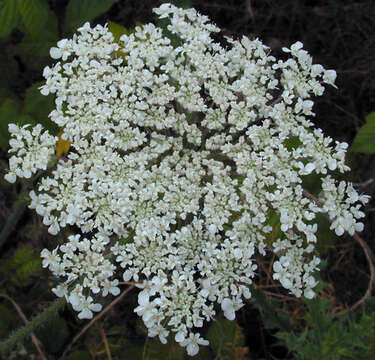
x=327 y=338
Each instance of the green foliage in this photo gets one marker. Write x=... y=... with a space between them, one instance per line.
x=34 y=15
x=9 y=112
x=31 y=15
x=40 y=45
x=329 y=339
x=22 y=266
x=273 y=317
x=80 y=11
x=9 y=16
x=226 y=338
x=38 y=106
x=365 y=140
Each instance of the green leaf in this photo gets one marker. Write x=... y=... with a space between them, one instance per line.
x=41 y=44
x=39 y=106
x=226 y=338
x=292 y=143
x=9 y=112
x=8 y=16
x=80 y=11
x=34 y=14
x=273 y=219
x=365 y=140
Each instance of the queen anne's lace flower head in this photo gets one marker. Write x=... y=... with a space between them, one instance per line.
x=180 y=154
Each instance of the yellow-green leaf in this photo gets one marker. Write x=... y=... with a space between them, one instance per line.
x=365 y=140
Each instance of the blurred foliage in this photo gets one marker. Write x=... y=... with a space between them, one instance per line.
x=365 y=139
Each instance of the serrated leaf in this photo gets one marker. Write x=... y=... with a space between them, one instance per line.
x=365 y=140
x=226 y=338
x=80 y=11
x=8 y=16
x=34 y=15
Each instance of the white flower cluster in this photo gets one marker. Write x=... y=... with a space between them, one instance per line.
x=32 y=151
x=180 y=155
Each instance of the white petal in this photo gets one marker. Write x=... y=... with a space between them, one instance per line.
x=192 y=349
x=85 y=314
x=179 y=337
x=10 y=177
x=55 y=53
x=230 y=315
x=143 y=298
x=95 y=307
x=114 y=291
x=227 y=305
x=309 y=168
